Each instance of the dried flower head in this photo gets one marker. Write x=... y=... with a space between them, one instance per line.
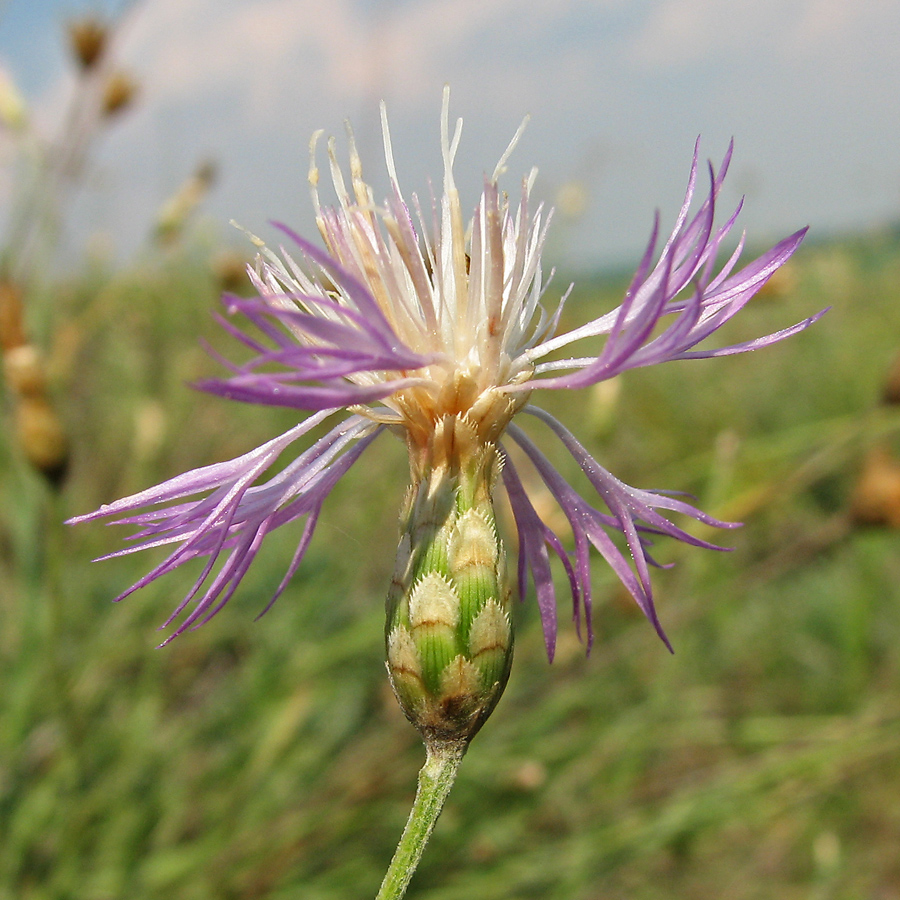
x=174 y=214
x=415 y=322
x=38 y=428
x=119 y=91
x=88 y=39
x=12 y=316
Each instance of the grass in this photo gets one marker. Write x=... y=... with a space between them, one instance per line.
x=269 y=759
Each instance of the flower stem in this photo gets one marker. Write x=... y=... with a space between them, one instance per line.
x=435 y=780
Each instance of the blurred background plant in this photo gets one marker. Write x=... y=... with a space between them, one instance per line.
x=270 y=760
x=44 y=174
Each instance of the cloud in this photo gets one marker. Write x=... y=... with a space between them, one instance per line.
x=246 y=81
x=680 y=32
x=823 y=26
x=266 y=53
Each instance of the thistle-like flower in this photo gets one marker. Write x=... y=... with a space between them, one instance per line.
x=413 y=322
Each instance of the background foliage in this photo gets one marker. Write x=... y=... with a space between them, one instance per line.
x=270 y=760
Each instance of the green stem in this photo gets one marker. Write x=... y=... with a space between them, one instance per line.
x=435 y=780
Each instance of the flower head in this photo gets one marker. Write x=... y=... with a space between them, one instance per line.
x=416 y=322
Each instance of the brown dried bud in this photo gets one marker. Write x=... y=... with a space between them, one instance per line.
x=891 y=392
x=876 y=497
x=782 y=283
x=12 y=329
x=23 y=371
x=88 y=39
x=42 y=437
x=229 y=268
x=118 y=93
x=174 y=213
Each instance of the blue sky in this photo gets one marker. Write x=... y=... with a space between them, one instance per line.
x=618 y=91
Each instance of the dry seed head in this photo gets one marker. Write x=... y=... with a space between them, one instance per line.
x=876 y=496
x=87 y=39
x=174 y=213
x=23 y=371
x=119 y=92
x=12 y=326
x=42 y=437
x=230 y=271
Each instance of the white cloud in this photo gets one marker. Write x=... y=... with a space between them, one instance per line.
x=848 y=25
x=808 y=82
x=681 y=32
x=267 y=53
x=684 y=31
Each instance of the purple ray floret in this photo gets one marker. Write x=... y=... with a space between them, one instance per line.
x=234 y=513
x=409 y=317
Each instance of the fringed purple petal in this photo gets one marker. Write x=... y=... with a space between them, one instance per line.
x=624 y=500
x=235 y=514
x=757 y=343
x=632 y=512
x=270 y=390
x=589 y=525
x=352 y=287
x=308 y=528
x=337 y=350
x=205 y=478
x=634 y=336
x=308 y=503
x=333 y=325
x=635 y=512
x=534 y=536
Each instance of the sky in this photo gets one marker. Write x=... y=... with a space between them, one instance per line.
x=617 y=90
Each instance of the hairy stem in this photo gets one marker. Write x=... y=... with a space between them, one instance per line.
x=435 y=780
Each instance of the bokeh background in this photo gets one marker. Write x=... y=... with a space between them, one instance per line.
x=268 y=759
x=618 y=90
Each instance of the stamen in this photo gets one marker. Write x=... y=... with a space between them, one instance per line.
x=388 y=149
x=361 y=190
x=500 y=168
x=337 y=177
x=313 y=176
x=455 y=233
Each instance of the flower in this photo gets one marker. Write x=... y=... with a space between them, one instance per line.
x=413 y=322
